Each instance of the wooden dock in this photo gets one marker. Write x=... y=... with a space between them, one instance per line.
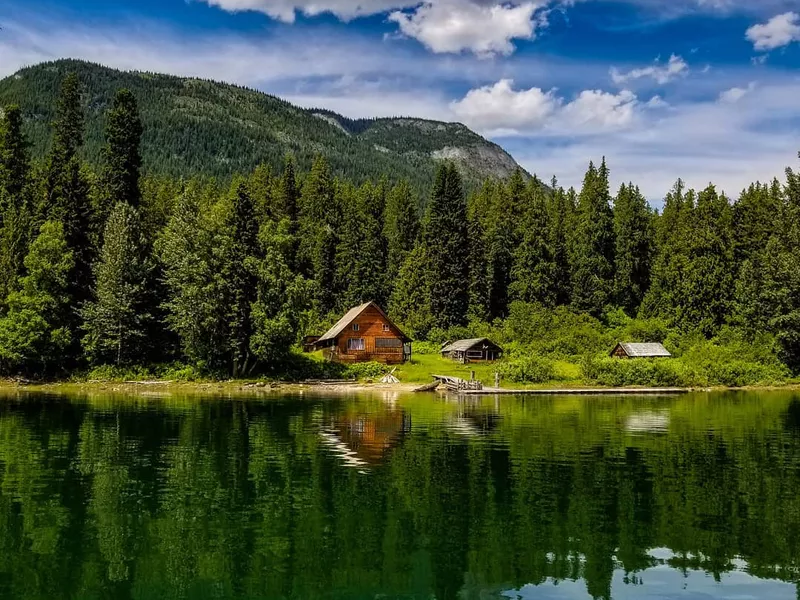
x=582 y=392
x=456 y=384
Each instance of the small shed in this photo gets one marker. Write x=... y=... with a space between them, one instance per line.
x=649 y=350
x=474 y=350
x=365 y=334
x=309 y=343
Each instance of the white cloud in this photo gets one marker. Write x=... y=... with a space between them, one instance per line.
x=656 y=102
x=662 y=74
x=735 y=94
x=779 y=31
x=499 y=108
x=286 y=10
x=452 y=26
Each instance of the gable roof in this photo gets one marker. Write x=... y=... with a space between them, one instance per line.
x=464 y=345
x=351 y=315
x=650 y=350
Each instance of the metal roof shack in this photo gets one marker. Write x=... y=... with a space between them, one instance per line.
x=650 y=350
x=477 y=349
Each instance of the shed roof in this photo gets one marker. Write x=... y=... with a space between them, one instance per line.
x=351 y=316
x=650 y=350
x=464 y=345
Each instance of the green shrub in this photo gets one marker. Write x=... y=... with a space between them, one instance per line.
x=528 y=369
x=368 y=370
x=615 y=372
x=426 y=348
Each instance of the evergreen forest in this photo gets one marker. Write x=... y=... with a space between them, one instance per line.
x=103 y=265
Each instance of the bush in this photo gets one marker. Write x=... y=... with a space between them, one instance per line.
x=426 y=348
x=368 y=370
x=528 y=369
x=616 y=372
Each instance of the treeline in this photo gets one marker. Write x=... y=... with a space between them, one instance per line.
x=105 y=266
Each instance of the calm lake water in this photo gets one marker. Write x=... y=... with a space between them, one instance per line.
x=386 y=496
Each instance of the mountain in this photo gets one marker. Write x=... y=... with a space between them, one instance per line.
x=195 y=126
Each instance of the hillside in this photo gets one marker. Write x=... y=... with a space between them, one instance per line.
x=195 y=126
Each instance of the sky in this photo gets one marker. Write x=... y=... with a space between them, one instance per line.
x=705 y=90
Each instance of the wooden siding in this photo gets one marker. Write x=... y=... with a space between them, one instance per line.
x=370 y=325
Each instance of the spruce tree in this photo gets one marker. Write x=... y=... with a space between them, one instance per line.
x=533 y=274
x=122 y=160
x=561 y=213
x=411 y=300
x=479 y=282
x=446 y=242
x=118 y=320
x=238 y=273
x=509 y=202
x=401 y=227
x=633 y=252
x=320 y=217
x=34 y=333
x=593 y=269
x=14 y=158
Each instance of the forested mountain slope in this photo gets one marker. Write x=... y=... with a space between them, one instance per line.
x=202 y=127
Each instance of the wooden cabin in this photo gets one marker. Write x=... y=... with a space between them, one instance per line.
x=475 y=350
x=650 y=350
x=365 y=334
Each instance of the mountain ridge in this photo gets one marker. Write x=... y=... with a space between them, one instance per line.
x=197 y=126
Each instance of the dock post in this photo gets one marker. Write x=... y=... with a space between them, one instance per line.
x=472 y=375
x=496 y=380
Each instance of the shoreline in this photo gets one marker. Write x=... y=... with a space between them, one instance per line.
x=264 y=388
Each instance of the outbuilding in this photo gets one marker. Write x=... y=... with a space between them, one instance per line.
x=648 y=350
x=365 y=334
x=474 y=350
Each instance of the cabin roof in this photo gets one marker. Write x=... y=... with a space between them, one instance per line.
x=464 y=345
x=651 y=350
x=351 y=315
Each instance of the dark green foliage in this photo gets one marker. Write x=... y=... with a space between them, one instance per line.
x=634 y=247
x=122 y=160
x=229 y=277
x=34 y=333
x=534 y=270
x=445 y=237
x=196 y=127
x=238 y=271
x=14 y=159
x=401 y=227
x=593 y=245
x=119 y=319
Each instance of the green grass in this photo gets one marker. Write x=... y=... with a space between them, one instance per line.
x=423 y=367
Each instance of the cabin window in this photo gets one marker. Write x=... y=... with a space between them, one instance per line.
x=356 y=344
x=474 y=354
x=386 y=329
x=388 y=343
x=355 y=327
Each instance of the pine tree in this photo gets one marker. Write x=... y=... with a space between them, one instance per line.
x=445 y=238
x=479 y=283
x=34 y=332
x=118 y=320
x=755 y=217
x=238 y=274
x=411 y=300
x=593 y=270
x=401 y=227
x=14 y=158
x=561 y=214
x=196 y=303
x=534 y=269
x=633 y=253
x=68 y=130
x=509 y=201
x=122 y=160
x=281 y=297
x=360 y=261
x=320 y=217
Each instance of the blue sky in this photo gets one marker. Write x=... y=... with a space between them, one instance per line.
x=706 y=90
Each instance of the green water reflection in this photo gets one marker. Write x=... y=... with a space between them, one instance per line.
x=400 y=497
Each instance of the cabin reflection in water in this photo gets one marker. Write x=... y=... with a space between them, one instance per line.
x=363 y=439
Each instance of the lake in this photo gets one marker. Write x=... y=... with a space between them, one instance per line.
x=400 y=496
